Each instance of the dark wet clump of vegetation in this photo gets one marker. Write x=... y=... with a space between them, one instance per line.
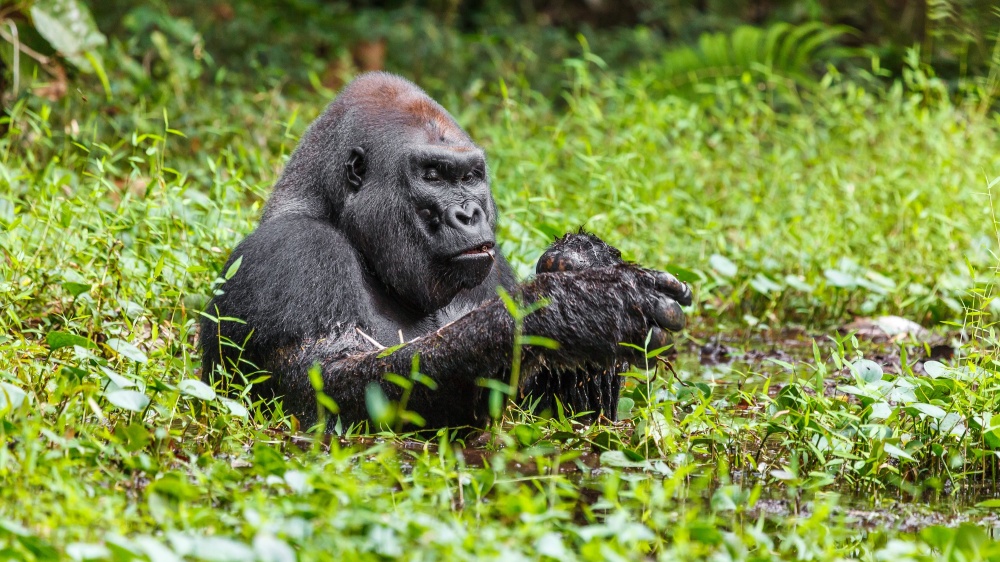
x=822 y=174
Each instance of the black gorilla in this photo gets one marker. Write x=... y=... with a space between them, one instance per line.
x=382 y=227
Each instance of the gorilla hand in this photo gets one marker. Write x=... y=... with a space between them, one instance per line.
x=596 y=309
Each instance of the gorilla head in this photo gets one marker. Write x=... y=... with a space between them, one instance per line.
x=404 y=183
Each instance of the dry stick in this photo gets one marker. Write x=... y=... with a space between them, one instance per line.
x=370 y=339
x=21 y=46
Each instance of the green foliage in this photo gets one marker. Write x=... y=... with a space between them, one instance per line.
x=780 y=51
x=790 y=210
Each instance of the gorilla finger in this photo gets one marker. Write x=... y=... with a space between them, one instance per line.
x=674 y=288
x=668 y=315
x=658 y=338
x=556 y=263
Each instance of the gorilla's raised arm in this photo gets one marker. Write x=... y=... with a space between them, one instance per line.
x=382 y=228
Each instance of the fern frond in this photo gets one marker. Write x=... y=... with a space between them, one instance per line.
x=781 y=49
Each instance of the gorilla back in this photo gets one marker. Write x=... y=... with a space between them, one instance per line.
x=382 y=227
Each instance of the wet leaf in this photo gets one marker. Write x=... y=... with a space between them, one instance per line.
x=618 y=459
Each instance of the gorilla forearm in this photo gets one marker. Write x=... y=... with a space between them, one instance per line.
x=480 y=345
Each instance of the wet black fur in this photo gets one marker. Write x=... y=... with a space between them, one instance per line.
x=351 y=249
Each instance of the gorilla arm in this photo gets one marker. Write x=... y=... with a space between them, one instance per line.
x=588 y=314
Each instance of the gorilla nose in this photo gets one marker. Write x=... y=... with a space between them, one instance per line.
x=465 y=218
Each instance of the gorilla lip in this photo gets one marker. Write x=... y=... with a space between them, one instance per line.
x=484 y=249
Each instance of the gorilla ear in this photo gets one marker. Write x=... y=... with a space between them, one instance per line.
x=356 y=168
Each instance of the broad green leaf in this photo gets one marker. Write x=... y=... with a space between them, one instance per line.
x=841 y=279
x=69 y=27
x=57 y=340
x=935 y=369
x=130 y=400
x=87 y=551
x=379 y=407
x=618 y=459
x=270 y=548
x=196 y=389
x=234 y=267
x=880 y=411
x=76 y=289
x=722 y=265
x=928 y=409
x=625 y=405
x=127 y=350
x=897 y=453
x=11 y=396
x=764 y=284
x=869 y=371
x=235 y=408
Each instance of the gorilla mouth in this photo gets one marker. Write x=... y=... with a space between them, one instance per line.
x=480 y=250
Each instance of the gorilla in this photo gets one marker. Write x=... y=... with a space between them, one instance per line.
x=381 y=230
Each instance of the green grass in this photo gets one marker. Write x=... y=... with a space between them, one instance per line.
x=786 y=207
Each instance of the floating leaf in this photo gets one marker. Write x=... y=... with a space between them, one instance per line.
x=196 y=389
x=130 y=400
x=125 y=349
x=618 y=459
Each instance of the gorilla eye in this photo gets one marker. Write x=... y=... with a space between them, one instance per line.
x=469 y=176
x=431 y=173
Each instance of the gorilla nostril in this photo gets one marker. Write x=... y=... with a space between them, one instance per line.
x=467 y=215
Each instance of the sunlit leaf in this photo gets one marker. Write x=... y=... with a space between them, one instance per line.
x=196 y=389
x=11 y=396
x=57 y=340
x=722 y=265
x=127 y=350
x=130 y=400
x=69 y=27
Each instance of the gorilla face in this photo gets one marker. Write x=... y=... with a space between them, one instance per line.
x=422 y=215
